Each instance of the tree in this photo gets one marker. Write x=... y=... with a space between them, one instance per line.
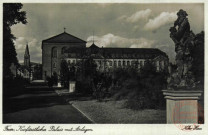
x=84 y=75
x=64 y=73
x=37 y=72
x=89 y=67
x=198 y=59
x=11 y=16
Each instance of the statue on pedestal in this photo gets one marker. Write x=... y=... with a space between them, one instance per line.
x=185 y=43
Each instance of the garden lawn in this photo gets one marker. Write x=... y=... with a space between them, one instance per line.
x=114 y=112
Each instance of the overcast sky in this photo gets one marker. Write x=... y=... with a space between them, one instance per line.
x=114 y=25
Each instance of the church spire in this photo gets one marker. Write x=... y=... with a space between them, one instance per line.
x=93 y=37
x=27 y=57
x=27 y=50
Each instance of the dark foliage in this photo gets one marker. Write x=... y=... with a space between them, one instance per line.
x=83 y=87
x=100 y=85
x=11 y=15
x=64 y=74
x=141 y=89
x=198 y=59
x=49 y=81
x=37 y=75
x=89 y=67
x=52 y=80
x=86 y=71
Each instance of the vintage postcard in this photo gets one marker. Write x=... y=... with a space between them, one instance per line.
x=110 y=67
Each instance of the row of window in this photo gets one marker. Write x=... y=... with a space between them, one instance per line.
x=123 y=63
x=132 y=55
x=120 y=63
x=159 y=64
x=71 y=61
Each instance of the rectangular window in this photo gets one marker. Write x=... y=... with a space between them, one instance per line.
x=124 y=63
x=158 y=65
x=141 y=63
x=54 y=65
x=115 y=63
x=110 y=63
x=54 y=52
x=119 y=63
x=162 y=64
x=128 y=63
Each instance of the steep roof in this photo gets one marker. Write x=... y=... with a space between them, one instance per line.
x=133 y=52
x=64 y=38
x=27 y=51
x=93 y=46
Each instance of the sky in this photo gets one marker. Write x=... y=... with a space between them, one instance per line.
x=114 y=25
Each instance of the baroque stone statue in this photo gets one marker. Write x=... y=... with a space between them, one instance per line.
x=185 y=42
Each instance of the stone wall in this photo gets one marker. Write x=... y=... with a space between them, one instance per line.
x=47 y=59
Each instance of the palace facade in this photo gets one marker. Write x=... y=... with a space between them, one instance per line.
x=72 y=49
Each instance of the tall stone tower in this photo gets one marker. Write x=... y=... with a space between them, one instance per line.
x=27 y=57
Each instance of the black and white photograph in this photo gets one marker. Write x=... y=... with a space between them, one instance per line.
x=102 y=63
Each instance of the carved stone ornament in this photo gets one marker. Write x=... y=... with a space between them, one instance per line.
x=185 y=41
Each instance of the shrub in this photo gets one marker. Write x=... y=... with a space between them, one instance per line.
x=140 y=89
x=64 y=74
x=50 y=81
x=83 y=87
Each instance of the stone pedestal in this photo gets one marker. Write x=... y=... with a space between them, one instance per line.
x=72 y=85
x=59 y=84
x=182 y=106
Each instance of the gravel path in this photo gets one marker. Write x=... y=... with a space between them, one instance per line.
x=113 y=112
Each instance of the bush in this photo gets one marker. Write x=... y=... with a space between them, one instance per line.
x=50 y=81
x=140 y=89
x=83 y=87
x=144 y=99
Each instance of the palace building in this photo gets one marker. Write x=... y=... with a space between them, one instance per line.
x=72 y=49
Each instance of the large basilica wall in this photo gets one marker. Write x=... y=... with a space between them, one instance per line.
x=52 y=55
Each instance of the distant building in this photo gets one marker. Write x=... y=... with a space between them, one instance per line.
x=28 y=69
x=72 y=49
x=36 y=71
x=24 y=69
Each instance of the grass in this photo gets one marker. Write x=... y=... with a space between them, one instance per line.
x=114 y=112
